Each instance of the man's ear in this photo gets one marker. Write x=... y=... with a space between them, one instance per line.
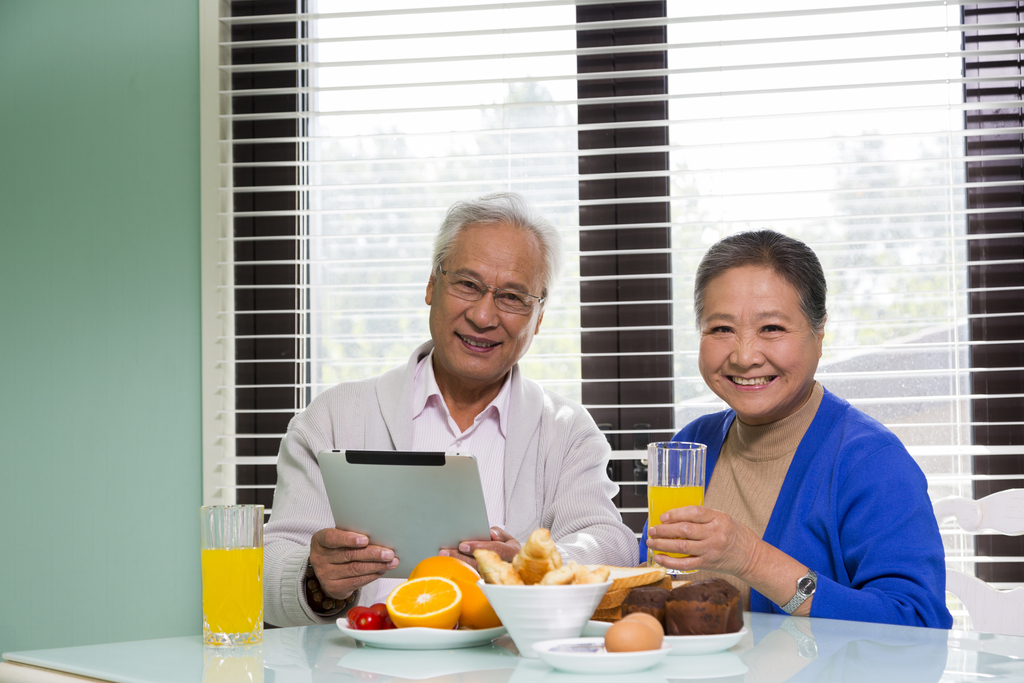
x=429 y=298
x=540 y=319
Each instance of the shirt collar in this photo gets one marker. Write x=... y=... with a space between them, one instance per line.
x=424 y=386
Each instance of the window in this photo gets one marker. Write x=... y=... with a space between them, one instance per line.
x=886 y=135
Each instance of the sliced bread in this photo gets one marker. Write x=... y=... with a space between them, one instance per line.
x=613 y=598
x=631 y=577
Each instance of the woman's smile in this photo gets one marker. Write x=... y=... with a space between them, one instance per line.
x=755 y=381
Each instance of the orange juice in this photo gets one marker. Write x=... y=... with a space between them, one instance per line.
x=661 y=499
x=233 y=589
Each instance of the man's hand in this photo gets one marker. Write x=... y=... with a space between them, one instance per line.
x=501 y=542
x=344 y=561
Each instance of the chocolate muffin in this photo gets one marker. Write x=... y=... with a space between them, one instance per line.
x=649 y=599
x=703 y=608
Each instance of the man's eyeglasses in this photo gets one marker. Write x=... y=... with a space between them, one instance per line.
x=471 y=289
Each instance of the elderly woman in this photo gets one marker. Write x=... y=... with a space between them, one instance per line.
x=811 y=506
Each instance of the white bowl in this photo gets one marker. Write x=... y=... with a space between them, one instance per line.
x=535 y=613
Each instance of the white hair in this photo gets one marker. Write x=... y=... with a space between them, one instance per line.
x=497 y=208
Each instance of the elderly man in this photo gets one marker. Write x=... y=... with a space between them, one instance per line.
x=542 y=459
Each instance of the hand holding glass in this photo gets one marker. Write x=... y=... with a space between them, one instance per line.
x=675 y=478
x=232 y=560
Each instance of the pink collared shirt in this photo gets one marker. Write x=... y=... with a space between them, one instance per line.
x=433 y=429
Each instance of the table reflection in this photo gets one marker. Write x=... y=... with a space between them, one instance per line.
x=242 y=664
x=775 y=649
x=802 y=649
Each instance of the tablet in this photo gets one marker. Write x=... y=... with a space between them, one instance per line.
x=413 y=502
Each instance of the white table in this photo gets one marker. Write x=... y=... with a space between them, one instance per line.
x=775 y=649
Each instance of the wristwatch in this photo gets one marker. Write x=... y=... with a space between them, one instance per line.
x=805 y=587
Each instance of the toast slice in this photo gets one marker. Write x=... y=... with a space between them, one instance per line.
x=611 y=614
x=613 y=599
x=631 y=577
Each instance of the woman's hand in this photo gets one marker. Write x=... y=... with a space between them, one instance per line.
x=711 y=538
x=717 y=542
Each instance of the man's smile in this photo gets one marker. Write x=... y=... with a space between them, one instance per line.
x=477 y=343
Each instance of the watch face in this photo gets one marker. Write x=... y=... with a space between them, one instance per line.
x=806 y=585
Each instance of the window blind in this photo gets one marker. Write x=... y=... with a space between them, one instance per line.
x=887 y=135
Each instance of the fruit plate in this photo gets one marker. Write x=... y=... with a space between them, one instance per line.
x=588 y=656
x=681 y=645
x=422 y=638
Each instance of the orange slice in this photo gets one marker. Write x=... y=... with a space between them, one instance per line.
x=477 y=613
x=429 y=602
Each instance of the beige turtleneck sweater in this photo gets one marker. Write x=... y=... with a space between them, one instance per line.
x=749 y=474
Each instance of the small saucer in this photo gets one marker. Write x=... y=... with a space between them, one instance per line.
x=588 y=656
x=681 y=645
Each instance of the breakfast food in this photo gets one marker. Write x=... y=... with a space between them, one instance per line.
x=633 y=635
x=703 y=608
x=537 y=557
x=430 y=602
x=646 y=600
x=624 y=581
x=613 y=598
x=584 y=574
x=477 y=612
x=633 y=577
x=372 y=618
x=645 y=618
x=562 y=576
x=496 y=570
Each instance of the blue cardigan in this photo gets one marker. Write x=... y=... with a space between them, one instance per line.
x=854 y=507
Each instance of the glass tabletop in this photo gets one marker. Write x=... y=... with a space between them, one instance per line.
x=774 y=649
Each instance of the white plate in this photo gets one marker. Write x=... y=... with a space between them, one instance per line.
x=704 y=645
x=599 y=662
x=422 y=638
x=681 y=645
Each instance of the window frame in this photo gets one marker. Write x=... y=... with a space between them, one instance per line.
x=221 y=335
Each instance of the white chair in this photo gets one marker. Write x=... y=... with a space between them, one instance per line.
x=991 y=610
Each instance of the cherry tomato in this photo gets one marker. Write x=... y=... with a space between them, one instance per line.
x=369 y=620
x=388 y=624
x=354 y=613
x=380 y=608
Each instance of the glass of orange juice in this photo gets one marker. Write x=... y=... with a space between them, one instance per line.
x=232 y=560
x=675 y=478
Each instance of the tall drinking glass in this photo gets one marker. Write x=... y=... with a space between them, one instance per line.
x=232 y=559
x=675 y=478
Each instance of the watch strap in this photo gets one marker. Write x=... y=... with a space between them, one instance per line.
x=802 y=594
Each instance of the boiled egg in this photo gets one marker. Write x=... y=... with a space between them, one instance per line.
x=631 y=635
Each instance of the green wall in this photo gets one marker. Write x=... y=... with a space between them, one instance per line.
x=100 y=463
